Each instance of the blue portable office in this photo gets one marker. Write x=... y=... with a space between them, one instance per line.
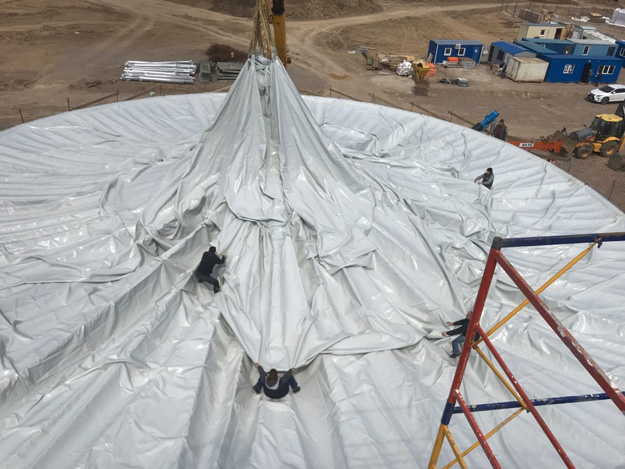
x=442 y=49
x=620 y=49
x=577 y=46
x=536 y=48
x=575 y=68
x=559 y=46
x=593 y=47
x=501 y=51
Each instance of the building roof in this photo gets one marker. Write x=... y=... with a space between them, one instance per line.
x=509 y=47
x=451 y=42
x=601 y=37
x=558 y=25
x=581 y=58
x=533 y=47
x=592 y=42
x=540 y=40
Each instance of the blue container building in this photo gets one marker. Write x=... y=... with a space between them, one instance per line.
x=442 y=49
x=501 y=51
x=576 y=46
x=536 y=48
x=559 y=46
x=575 y=68
x=593 y=47
x=620 y=49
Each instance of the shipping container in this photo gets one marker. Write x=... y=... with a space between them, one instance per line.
x=526 y=69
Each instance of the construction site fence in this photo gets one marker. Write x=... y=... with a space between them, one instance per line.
x=538 y=12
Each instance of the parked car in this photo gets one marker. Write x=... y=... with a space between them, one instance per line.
x=607 y=94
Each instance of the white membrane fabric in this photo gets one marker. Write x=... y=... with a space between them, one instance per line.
x=352 y=233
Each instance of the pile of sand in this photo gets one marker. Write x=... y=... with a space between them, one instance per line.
x=224 y=53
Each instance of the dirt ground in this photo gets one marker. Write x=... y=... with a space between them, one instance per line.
x=55 y=53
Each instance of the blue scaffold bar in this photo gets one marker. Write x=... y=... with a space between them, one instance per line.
x=499 y=243
x=536 y=402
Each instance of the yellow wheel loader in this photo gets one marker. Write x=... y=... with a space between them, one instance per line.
x=604 y=136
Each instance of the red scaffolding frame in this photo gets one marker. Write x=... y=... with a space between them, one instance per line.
x=496 y=257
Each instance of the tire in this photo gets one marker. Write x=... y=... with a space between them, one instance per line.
x=608 y=149
x=605 y=100
x=583 y=152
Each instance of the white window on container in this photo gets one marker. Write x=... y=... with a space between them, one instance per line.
x=461 y=52
x=606 y=69
x=586 y=49
x=569 y=68
x=447 y=51
x=542 y=32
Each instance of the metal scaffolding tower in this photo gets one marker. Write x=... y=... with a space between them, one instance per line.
x=456 y=402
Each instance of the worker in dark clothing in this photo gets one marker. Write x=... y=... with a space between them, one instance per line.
x=500 y=131
x=274 y=387
x=204 y=271
x=599 y=77
x=486 y=179
x=587 y=74
x=461 y=332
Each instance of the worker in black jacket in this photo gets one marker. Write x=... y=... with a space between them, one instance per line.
x=274 y=387
x=461 y=332
x=204 y=271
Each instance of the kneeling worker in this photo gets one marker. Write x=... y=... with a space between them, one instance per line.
x=204 y=271
x=487 y=179
x=274 y=387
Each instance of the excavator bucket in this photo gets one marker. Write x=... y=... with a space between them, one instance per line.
x=568 y=143
x=420 y=69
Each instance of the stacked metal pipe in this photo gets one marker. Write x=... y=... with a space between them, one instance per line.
x=163 y=72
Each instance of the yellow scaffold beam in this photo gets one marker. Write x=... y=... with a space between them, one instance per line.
x=454 y=447
x=499 y=375
x=539 y=291
x=487 y=436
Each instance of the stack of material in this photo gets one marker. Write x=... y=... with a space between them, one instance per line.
x=404 y=69
x=392 y=60
x=529 y=15
x=596 y=18
x=164 y=72
x=228 y=71
x=205 y=73
x=451 y=62
x=618 y=17
x=466 y=63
